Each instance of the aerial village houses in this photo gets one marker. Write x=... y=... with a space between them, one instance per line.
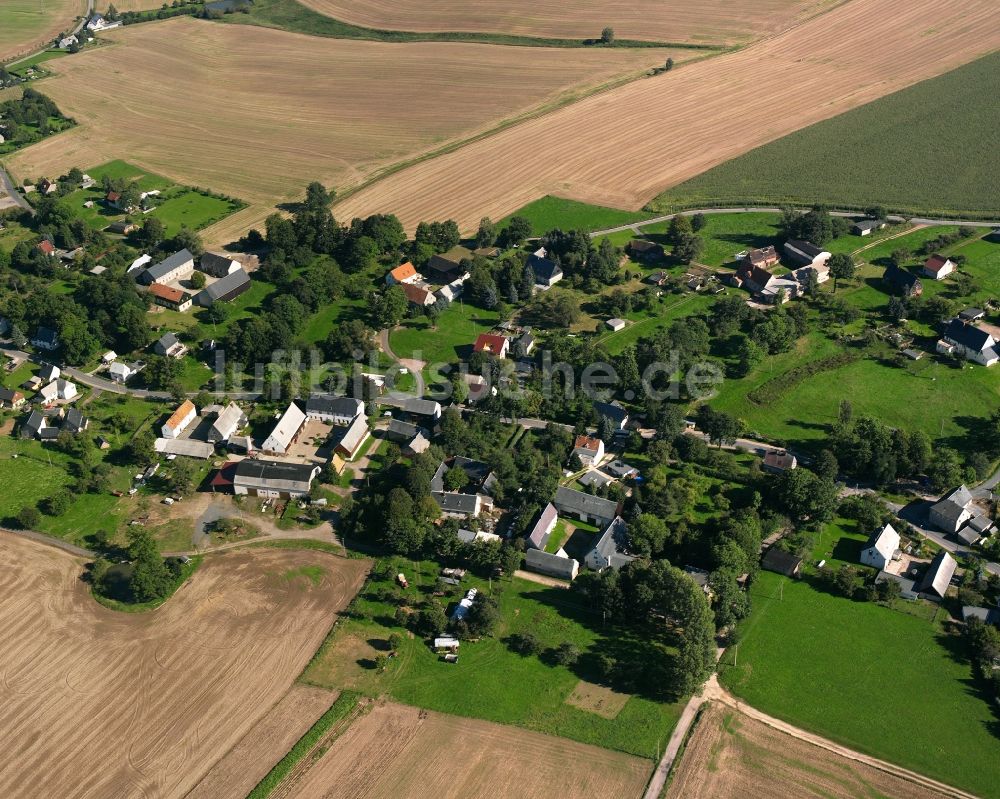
x=473 y=499
x=547 y=272
x=938 y=267
x=354 y=437
x=778 y=461
x=586 y=507
x=882 y=548
x=57 y=390
x=938 y=576
x=781 y=561
x=169 y=297
x=45 y=339
x=422 y=409
x=120 y=372
x=273 y=479
x=805 y=253
x=404 y=273
x=865 y=227
x=645 y=251
x=902 y=281
x=225 y=289
x=11 y=400
x=968 y=341
x=286 y=431
x=341 y=411
x=608 y=551
x=492 y=344
x=956 y=514
x=539 y=534
x=417 y=295
x=179 y=420
x=446 y=267
x=176 y=267
x=613 y=412
x=761 y=258
x=589 y=450
x=227 y=424
x=217 y=265
x=559 y=566
x=169 y=346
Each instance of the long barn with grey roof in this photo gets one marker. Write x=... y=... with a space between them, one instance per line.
x=225 y=289
x=174 y=267
x=585 y=507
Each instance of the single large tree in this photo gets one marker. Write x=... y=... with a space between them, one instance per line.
x=841 y=268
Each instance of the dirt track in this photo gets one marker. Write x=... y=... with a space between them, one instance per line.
x=399 y=752
x=623 y=146
x=731 y=756
x=104 y=704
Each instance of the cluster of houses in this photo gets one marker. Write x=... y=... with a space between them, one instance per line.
x=754 y=271
x=226 y=276
x=50 y=414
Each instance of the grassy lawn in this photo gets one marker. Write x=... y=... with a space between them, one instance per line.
x=877 y=680
x=176 y=206
x=727 y=234
x=551 y=212
x=674 y=307
x=452 y=340
x=888 y=152
x=491 y=681
x=12 y=235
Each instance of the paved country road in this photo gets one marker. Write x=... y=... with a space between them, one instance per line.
x=7 y=185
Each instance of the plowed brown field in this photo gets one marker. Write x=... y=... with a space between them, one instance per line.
x=104 y=704
x=716 y=21
x=622 y=147
x=259 y=113
x=399 y=752
x=731 y=756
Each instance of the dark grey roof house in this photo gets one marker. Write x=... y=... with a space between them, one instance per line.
x=330 y=408
x=612 y=411
x=609 y=552
x=553 y=565
x=225 y=289
x=217 y=265
x=782 y=562
x=585 y=507
x=952 y=510
x=164 y=343
x=265 y=478
x=546 y=272
x=168 y=269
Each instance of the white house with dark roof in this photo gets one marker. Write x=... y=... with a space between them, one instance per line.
x=952 y=511
x=175 y=267
x=340 y=411
x=881 y=549
x=560 y=566
x=585 y=507
x=216 y=264
x=613 y=412
x=608 y=551
x=275 y=479
x=805 y=253
x=969 y=342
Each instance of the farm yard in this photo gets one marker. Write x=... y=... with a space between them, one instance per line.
x=27 y=24
x=399 y=751
x=889 y=149
x=205 y=668
x=355 y=115
x=615 y=148
x=866 y=676
x=715 y=22
x=731 y=756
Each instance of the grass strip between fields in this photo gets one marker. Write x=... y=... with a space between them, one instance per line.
x=778 y=386
x=345 y=704
x=292 y=16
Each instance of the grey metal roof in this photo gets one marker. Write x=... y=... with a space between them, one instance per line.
x=969 y=336
x=454 y=502
x=548 y=563
x=167 y=340
x=595 y=478
x=543 y=268
x=616 y=413
x=330 y=405
x=402 y=430
x=275 y=475
x=567 y=499
x=74 y=421
x=986 y=615
x=224 y=287
x=477 y=471
x=167 y=265
x=422 y=407
x=612 y=543
x=938 y=576
x=949 y=509
x=212 y=263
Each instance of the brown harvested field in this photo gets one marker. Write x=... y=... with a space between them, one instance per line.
x=30 y=25
x=622 y=147
x=99 y=704
x=712 y=21
x=133 y=5
x=254 y=756
x=397 y=752
x=731 y=756
x=259 y=113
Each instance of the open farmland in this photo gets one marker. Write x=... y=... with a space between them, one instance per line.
x=622 y=147
x=98 y=703
x=203 y=101
x=27 y=25
x=398 y=751
x=732 y=756
x=715 y=21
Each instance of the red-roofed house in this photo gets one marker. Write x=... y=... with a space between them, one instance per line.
x=492 y=344
x=404 y=273
x=417 y=295
x=169 y=297
x=938 y=267
x=46 y=247
x=588 y=450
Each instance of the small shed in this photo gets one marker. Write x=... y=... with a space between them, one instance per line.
x=782 y=562
x=616 y=324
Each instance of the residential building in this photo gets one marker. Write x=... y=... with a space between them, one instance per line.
x=122 y=228
x=11 y=400
x=340 y=411
x=902 y=282
x=761 y=258
x=552 y=565
x=524 y=345
x=445 y=267
x=805 y=253
x=179 y=420
x=74 y=421
x=782 y=562
x=120 y=372
x=225 y=289
x=614 y=412
x=274 y=479
x=882 y=548
x=952 y=510
x=49 y=372
x=169 y=297
x=427 y=409
x=589 y=450
x=968 y=341
x=58 y=390
x=492 y=344
x=98 y=22
x=177 y=267
x=404 y=273
x=547 y=273
x=456 y=505
x=609 y=551
x=938 y=267
x=227 y=424
x=620 y=469
x=778 y=461
x=355 y=435
x=538 y=537
x=139 y=263
x=216 y=264
x=938 y=576
x=169 y=347
x=645 y=251
x=985 y=615
x=418 y=295
x=45 y=339
x=585 y=507
x=285 y=432
x=400 y=431
x=595 y=479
